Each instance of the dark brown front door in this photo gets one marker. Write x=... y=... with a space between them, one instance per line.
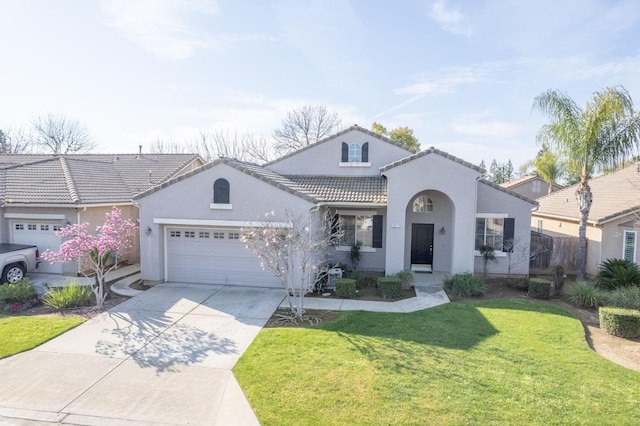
x=422 y=244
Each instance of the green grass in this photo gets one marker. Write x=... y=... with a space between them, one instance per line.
x=21 y=333
x=485 y=362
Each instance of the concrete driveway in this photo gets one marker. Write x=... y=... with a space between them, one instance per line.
x=163 y=357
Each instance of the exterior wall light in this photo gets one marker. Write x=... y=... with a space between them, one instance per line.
x=148 y=230
x=443 y=231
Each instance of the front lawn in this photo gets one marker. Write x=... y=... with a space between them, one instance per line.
x=21 y=333
x=484 y=362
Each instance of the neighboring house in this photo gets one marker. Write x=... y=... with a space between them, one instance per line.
x=426 y=211
x=612 y=230
x=42 y=193
x=531 y=186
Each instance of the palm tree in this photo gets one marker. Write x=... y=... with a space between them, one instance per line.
x=603 y=134
x=548 y=168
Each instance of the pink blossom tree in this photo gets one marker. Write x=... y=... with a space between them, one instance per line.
x=95 y=251
x=294 y=249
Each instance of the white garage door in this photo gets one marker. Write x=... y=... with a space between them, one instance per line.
x=213 y=256
x=41 y=234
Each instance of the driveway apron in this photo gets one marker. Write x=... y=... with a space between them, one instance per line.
x=162 y=357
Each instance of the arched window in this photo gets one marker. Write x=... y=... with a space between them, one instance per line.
x=221 y=191
x=355 y=153
x=422 y=203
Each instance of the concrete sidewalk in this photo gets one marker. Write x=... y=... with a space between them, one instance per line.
x=163 y=357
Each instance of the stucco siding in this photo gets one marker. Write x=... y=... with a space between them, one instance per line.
x=431 y=173
x=494 y=201
x=191 y=199
x=324 y=158
x=612 y=238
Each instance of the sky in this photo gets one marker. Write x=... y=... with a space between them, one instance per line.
x=462 y=74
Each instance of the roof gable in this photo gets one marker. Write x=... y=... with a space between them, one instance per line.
x=338 y=135
x=430 y=151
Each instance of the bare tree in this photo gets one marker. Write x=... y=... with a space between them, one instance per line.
x=211 y=145
x=61 y=135
x=162 y=146
x=14 y=141
x=304 y=126
x=293 y=248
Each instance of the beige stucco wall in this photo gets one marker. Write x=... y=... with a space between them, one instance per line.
x=563 y=228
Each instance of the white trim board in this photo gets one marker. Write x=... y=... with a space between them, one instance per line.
x=35 y=216
x=218 y=223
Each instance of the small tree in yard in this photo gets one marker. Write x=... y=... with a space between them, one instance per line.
x=95 y=251
x=292 y=249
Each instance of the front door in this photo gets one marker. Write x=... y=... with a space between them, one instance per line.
x=422 y=244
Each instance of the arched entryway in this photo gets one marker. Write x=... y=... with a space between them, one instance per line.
x=429 y=232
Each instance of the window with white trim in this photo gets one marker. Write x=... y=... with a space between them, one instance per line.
x=356 y=229
x=495 y=232
x=355 y=153
x=189 y=234
x=32 y=227
x=629 y=245
x=422 y=203
x=203 y=234
x=218 y=235
x=234 y=235
x=174 y=234
x=19 y=226
x=44 y=227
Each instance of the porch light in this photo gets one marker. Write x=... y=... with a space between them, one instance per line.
x=148 y=230
x=443 y=231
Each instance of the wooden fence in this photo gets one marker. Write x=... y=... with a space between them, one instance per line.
x=548 y=251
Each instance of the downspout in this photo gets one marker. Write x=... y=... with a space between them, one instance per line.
x=475 y=212
x=313 y=209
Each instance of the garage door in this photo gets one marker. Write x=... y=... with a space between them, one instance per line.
x=41 y=234
x=213 y=256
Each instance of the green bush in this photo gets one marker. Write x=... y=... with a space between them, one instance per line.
x=616 y=273
x=585 y=294
x=346 y=288
x=558 y=279
x=539 y=288
x=18 y=296
x=71 y=296
x=624 y=297
x=406 y=277
x=620 y=322
x=389 y=287
x=17 y=292
x=465 y=284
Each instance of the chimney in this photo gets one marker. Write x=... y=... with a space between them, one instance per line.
x=139 y=152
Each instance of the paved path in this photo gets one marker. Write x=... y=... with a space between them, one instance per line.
x=163 y=357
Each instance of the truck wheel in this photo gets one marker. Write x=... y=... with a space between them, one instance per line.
x=12 y=273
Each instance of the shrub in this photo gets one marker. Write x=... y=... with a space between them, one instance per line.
x=585 y=294
x=465 y=284
x=620 y=322
x=624 y=297
x=71 y=296
x=539 y=288
x=616 y=273
x=17 y=292
x=389 y=287
x=346 y=288
x=558 y=279
x=18 y=296
x=406 y=278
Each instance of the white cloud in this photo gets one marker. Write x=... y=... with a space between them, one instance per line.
x=160 y=26
x=449 y=19
x=164 y=27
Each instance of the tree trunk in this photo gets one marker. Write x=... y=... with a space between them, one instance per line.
x=584 y=197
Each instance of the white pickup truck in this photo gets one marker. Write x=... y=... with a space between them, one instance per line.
x=16 y=260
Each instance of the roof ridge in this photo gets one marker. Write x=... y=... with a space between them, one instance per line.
x=69 y=181
x=181 y=167
x=338 y=134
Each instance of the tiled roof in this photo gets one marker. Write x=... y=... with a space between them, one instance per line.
x=614 y=194
x=84 y=178
x=347 y=189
